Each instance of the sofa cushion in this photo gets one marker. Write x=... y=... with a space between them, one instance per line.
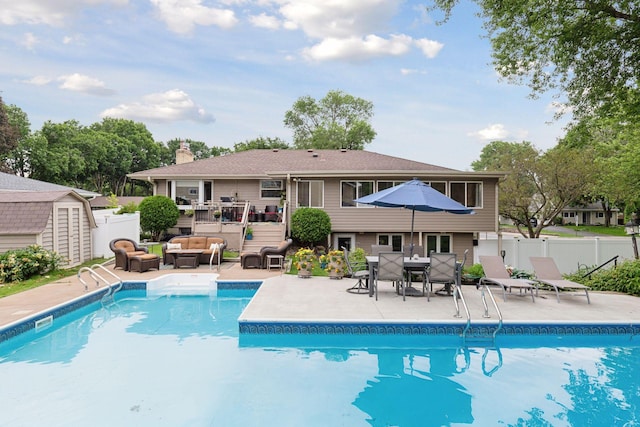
x=198 y=243
x=211 y=240
x=184 y=241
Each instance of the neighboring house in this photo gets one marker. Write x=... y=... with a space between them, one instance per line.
x=330 y=180
x=589 y=214
x=50 y=215
x=104 y=202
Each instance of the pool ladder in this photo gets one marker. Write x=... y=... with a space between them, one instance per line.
x=457 y=294
x=111 y=290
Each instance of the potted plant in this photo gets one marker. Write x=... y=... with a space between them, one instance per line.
x=217 y=214
x=249 y=233
x=304 y=260
x=335 y=264
x=188 y=212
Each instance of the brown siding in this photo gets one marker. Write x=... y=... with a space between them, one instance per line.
x=374 y=219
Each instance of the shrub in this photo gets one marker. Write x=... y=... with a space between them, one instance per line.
x=357 y=256
x=157 y=213
x=625 y=278
x=310 y=226
x=21 y=264
x=130 y=207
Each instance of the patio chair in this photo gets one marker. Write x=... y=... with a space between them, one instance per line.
x=442 y=269
x=420 y=272
x=357 y=270
x=496 y=274
x=547 y=273
x=271 y=213
x=391 y=268
x=376 y=249
x=124 y=249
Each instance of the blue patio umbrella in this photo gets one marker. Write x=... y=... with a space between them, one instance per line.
x=417 y=196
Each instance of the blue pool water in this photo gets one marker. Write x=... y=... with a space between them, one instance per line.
x=178 y=361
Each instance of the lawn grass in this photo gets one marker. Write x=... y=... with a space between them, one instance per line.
x=11 y=288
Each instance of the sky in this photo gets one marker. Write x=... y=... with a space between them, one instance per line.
x=224 y=72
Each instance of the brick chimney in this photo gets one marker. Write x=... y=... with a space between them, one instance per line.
x=183 y=154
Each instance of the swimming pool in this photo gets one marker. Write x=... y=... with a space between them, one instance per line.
x=178 y=360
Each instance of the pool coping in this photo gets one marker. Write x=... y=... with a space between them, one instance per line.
x=478 y=329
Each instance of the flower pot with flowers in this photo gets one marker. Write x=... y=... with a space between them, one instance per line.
x=336 y=266
x=303 y=260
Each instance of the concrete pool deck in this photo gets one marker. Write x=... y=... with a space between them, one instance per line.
x=289 y=298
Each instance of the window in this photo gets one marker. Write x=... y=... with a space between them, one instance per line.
x=467 y=193
x=394 y=240
x=599 y=214
x=441 y=186
x=311 y=194
x=383 y=185
x=186 y=191
x=438 y=243
x=568 y=214
x=270 y=188
x=351 y=190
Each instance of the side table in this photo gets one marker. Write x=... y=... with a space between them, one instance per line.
x=274 y=261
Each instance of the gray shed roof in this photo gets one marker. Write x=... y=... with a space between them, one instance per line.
x=264 y=163
x=10 y=182
x=27 y=212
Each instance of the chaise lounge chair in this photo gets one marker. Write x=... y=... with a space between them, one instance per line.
x=547 y=273
x=496 y=274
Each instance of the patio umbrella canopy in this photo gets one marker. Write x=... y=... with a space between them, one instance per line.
x=417 y=196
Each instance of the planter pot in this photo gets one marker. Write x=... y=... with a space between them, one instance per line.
x=336 y=276
x=249 y=236
x=304 y=273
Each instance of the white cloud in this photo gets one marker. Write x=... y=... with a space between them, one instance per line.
x=170 y=106
x=85 y=84
x=358 y=49
x=430 y=48
x=339 y=18
x=29 y=41
x=38 y=81
x=265 y=21
x=407 y=71
x=181 y=16
x=492 y=132
x=48 y=12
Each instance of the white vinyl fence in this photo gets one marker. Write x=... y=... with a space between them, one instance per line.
x=112 y=226
x=568 y=253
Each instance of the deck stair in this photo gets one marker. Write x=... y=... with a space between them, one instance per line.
x=264 y=234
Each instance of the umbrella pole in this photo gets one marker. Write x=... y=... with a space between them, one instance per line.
x=413 y=214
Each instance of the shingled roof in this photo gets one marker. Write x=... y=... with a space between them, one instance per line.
x=260 y=163
x=10 y=182
x=26 y=212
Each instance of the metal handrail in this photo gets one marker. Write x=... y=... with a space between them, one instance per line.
x=98 y=278
x=615 y=264
x=486 y=307
x=458 y=292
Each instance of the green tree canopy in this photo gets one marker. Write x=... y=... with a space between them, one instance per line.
x=586 y=50
x=336 y=121
x=9 y=136
x=261 y=143
x=538 y=185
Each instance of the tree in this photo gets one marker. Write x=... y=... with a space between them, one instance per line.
x=587 y=50
x=310 y=226
x=157 y=214
x=538 y=185
x=261 y=143
x=16 y=160
x=337 y=121
x=9 y=136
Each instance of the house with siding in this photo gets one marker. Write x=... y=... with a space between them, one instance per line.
x=55 y=217
x=248 y=184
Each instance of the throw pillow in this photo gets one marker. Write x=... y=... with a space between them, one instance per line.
x=174 y=246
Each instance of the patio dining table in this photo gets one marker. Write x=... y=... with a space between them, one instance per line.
x=411 y=264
